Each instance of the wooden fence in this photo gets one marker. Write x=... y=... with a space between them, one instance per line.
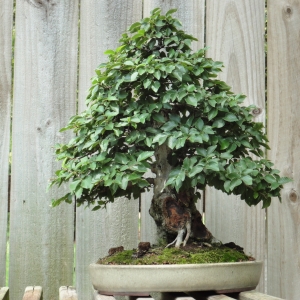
x=48 y=57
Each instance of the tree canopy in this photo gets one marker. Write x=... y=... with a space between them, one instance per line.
x=155 y=90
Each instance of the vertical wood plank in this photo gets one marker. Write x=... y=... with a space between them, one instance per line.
x=33 y=293
x=41 y=238
x=235 y=35
x=191 y=14
x=101 y=26
x=4 y=293
x=67 y=293
x=283 y=131
x=6 y=17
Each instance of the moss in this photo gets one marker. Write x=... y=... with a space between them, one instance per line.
x=160 y=255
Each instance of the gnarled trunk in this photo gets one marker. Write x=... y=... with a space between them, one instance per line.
x=174 y=213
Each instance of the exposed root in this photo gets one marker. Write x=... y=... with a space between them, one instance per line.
x=180 y=234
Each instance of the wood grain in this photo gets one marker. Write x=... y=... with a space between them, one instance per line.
x=33 y=293
x=4 y=293
x=283 y=131
x=41 y=238
x=67 y=293
x=191 y=14
x=101 y=26
x=235 y=35
x=6 y=17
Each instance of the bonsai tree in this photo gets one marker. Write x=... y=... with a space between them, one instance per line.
x=157 y=105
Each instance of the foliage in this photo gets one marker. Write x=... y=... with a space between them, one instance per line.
x=152 y=91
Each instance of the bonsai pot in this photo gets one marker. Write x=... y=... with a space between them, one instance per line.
x=144 y=279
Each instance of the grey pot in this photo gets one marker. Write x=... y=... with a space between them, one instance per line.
x=132 y=280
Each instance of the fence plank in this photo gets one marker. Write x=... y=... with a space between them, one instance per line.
x=67 y=293
x=101 y=25
x=252 y=295
x=283 y=131
x=6 y=13
x=33 y=293
x=98 y=296
x=235 y=31
x=191 y=14
x=4 y=293
x=41 y=238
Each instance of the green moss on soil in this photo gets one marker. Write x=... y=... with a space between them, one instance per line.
x=160 y=255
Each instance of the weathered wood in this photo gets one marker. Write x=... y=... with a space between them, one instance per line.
x=41 y=238
x=67 y=293
x=219 y=297
x=191 y=296
x=148 y=230
x=191 y=14
x=209 y=295
x=33 y=293
x=235 y=31
x=98 y=296
x=4 y=293
x=6 y=17
x=101 y=26
x=252 y=295
x=283 y=132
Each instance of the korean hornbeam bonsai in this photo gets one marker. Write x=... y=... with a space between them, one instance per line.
x=157 y=105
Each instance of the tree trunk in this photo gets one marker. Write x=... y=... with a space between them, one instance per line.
x=174 y=213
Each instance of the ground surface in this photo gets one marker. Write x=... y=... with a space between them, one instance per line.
x=190 y=254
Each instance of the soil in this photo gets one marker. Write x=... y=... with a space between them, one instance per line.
x=194 y=253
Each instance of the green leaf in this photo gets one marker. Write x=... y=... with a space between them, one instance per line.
x=284 y=180
x=219 y=123
x=171 y=11
x=177 y=74
x=109 y=52
x=134 y=76
x=234 y=183
x=128 y=63
x=247 y=180
x=212 y=165
x=230 y=118
x=160 y=138
x=227 y=186
x=191 y=100
x=224 y=144
x=270 y=179
x=179 y=180
x=212 y=113
x=169 y=126
x=145 y=155
x=199 y=124
x=190 y=88
x=155 y=86
x=87 y=183
x=181 y=142
x=146 y=83
x=266 y=202
x=172 y=141
x=124 y=183
x=158 y=118
x=157 y=74
x=121 y=158
x=195 y=170
x=74 y=184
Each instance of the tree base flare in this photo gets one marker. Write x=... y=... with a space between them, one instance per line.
x=178 y=214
